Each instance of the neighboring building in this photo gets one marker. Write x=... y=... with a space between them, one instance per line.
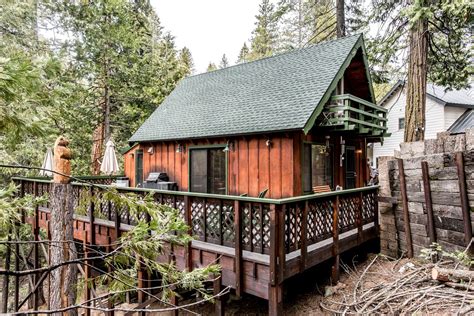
x=285 y=125
x=443 y=110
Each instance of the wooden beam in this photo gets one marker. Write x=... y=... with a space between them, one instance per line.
x=238 y=249
x=406 y=215
x=335 y=240
x=275 y=288
x=466 y=211
x=428 y=202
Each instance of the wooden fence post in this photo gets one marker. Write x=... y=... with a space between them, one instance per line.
x=466 y=211
x=428 y=202
x=303 y=237
x=406 y=215
x=63 y=280
x=275 y=289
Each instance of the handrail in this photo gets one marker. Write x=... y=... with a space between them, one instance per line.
x=359 y=100
x=219 y=196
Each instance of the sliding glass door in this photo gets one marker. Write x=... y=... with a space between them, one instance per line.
x=208 y=170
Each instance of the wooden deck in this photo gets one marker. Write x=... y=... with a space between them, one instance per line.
x=278 y=238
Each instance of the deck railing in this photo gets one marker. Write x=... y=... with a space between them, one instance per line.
x=347 y=112
x=218 y=219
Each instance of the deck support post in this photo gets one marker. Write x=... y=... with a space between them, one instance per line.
x=220 y=300
x=335 y=244
x=174 y=302
x=238 y=249
x=189 y=223
x=275 y=288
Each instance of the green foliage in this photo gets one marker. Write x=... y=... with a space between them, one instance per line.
x=145 y=242
x=211 y=67
x=435 y=252
x=449 y=39
x=224 y=62
x=11 y=208
x=58 y=57
x=304 y=22
x=264 y=38
x=243 y=54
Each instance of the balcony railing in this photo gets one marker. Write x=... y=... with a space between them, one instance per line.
x=348 y=113
x=217 y=219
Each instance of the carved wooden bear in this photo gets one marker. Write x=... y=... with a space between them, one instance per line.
x=62 y=160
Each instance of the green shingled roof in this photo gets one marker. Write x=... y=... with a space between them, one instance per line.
x=279 y=93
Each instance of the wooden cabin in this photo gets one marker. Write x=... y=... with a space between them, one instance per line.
x=282 y=126
x=248 y=145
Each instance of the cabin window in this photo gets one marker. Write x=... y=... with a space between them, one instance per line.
x=317 y=166
x=208 y=170
x=401 y=123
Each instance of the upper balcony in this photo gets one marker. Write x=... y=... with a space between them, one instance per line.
x=347 y=112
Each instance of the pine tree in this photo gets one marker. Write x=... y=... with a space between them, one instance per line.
x=243 y=54
x=264 y=38
x=224 y=62
x=424 y=35
x=211 y=67
x=186 y=61
x=304 y=22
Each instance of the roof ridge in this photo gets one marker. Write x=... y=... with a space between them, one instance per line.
x=279 y=54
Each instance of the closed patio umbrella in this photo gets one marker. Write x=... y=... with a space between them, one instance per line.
x=109 y=163
x=47 y=164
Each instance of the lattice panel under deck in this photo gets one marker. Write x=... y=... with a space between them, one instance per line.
x=256 y=228
x=368 y=207
x=348 y=205
x=198 y=218
x=320 y=219
x=293 y=220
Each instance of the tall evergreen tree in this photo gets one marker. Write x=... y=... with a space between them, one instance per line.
x=432 y=38
x=305 y=22
x=186 y=61
x=119 y=50
x=211 y=67
x=243 y=54
x=224 y=62
x=264 y=38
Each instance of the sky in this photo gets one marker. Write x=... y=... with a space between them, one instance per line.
x=209 y=28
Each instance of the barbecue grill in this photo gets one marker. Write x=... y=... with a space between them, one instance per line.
x=159 y=181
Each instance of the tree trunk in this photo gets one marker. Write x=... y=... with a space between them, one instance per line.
x=97 y=147
x=416 y=90
x=63 y=279
x=340 y=19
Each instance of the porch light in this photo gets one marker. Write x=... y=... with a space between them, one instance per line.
x=180 y=148
x=151 y=150
x=359 y=151
x=228 y=147
x=268 y=142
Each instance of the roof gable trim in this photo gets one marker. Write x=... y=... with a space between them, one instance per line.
x=319 y=107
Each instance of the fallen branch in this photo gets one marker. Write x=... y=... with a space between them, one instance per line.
x=451 y=275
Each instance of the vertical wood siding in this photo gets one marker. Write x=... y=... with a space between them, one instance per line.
x=251 y=166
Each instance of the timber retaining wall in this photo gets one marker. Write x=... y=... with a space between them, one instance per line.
x=449 y=207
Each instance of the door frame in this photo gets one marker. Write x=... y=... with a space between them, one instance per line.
x=209 y=146
x=353 y=148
